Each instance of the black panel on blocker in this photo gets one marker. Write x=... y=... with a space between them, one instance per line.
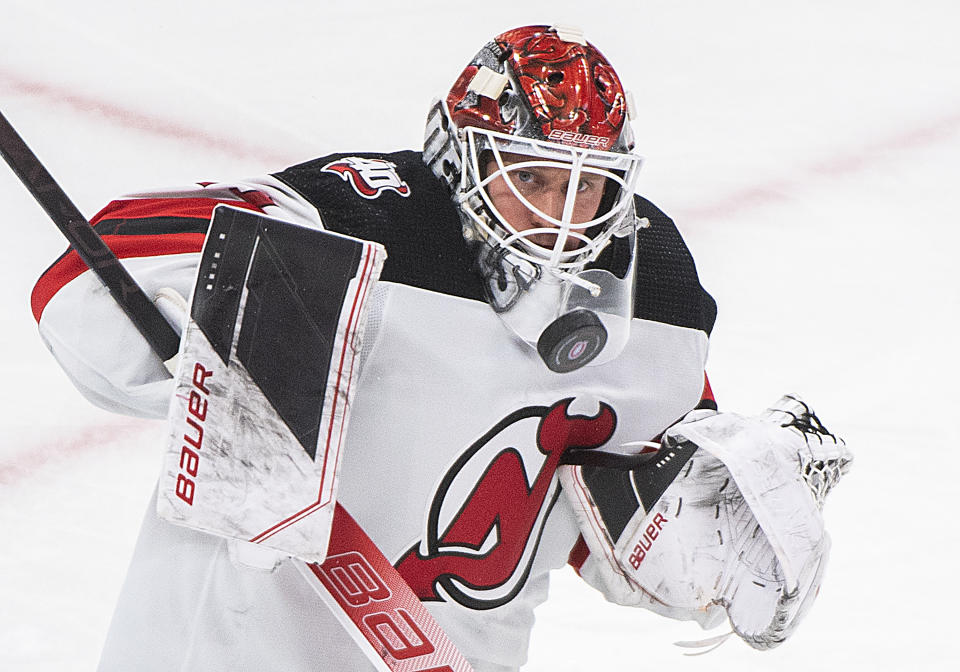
x=297 y=280
x=223 y=267
x=297 y=283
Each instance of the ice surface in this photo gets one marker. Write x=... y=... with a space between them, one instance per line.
x=808 y=151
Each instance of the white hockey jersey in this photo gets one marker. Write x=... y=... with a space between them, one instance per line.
x=454 y=440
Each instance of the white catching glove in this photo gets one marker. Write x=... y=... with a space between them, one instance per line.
x=728 y=520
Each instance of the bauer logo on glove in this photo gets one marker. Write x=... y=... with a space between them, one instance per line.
x=726 y=520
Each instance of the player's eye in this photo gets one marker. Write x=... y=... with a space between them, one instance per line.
x=590 y=183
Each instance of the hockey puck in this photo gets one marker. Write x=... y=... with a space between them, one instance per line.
x=571 y=341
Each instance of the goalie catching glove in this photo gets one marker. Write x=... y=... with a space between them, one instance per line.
x=725 y=519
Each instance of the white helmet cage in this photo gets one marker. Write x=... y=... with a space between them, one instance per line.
x=448 y=152
x=575 y=243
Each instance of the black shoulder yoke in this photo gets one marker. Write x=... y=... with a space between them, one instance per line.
x=668 y=287
x=362 y=195
x=395 y=200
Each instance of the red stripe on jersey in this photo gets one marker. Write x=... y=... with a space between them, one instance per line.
x=707 y=399
x=140 y=208
x=579 y=554
x=71 y=265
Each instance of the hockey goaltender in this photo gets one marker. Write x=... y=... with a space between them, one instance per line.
x=490 y=352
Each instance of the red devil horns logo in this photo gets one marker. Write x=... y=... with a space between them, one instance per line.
x=368 y=177
x=482 y=555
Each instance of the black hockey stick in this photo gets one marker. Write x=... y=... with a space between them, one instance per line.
x=87 y=243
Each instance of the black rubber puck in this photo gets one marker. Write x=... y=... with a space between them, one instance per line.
x=572 y=340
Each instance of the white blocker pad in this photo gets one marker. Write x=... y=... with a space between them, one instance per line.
x=263 y=388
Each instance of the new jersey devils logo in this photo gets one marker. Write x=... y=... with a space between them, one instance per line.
x=368 y=177
x=488 y=514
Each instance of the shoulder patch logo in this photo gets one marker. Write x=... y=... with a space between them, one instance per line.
x=368 y=177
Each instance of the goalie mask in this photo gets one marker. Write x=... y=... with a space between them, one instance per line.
x=534 y=142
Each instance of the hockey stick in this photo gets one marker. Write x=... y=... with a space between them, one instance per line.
x=357 y=582
x=87 y=243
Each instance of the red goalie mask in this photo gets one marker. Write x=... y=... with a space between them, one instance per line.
x=570 y=93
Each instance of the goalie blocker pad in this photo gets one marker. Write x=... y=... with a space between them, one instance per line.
x=263 y=387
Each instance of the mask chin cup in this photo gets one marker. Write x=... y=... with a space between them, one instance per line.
x=572 y=340
x=571 y=320
x=568 y=325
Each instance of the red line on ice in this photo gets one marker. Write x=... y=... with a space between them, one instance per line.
x=31 y=459
x=870 y=155
x=130 y=118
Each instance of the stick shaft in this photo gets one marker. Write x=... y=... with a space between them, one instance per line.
x=87 y=243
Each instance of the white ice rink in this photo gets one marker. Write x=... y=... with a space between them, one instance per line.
x=809 y=151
